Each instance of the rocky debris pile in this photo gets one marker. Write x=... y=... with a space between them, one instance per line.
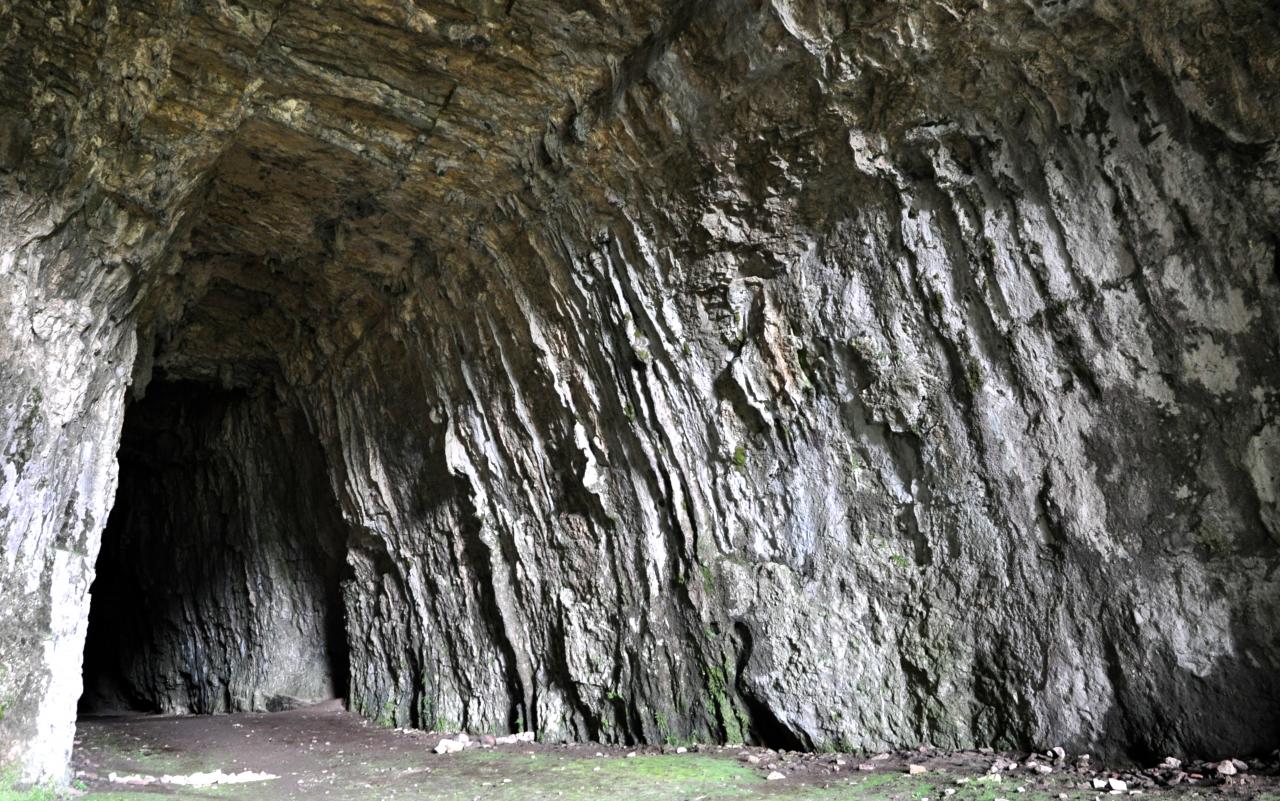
x=462 y=741
x=1023 y=772
x=1171 y=771
x=212 y=778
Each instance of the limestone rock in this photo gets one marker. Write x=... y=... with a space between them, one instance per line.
x=796 y=374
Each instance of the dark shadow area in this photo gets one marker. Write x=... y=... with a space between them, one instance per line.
x=218 y=584
x=764 y=727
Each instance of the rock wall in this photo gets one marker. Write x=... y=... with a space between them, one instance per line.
x=822 y=374
x=218 y=580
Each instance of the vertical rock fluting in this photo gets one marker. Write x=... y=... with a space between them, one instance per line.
x=822 y=374
x=218 y=581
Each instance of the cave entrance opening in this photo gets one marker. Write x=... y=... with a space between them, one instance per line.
x=219 y=582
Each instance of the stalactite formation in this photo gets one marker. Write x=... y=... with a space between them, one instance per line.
x=811 y=373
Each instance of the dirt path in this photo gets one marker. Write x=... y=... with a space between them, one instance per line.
x=324 y=752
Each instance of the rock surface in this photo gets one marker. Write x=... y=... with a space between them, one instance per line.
x=818 y=374
x=218 y=578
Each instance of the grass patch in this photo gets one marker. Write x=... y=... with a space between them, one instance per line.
x=9 y=792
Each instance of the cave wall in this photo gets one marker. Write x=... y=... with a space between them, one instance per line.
x=840 y=374
x=218 y=580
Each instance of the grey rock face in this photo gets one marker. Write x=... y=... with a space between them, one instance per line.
x=821 y=374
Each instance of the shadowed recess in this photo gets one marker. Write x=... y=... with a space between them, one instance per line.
x=217 y=584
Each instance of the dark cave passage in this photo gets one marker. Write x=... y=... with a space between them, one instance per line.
x=218 y=584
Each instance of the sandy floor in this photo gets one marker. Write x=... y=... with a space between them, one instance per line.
x=324 y=752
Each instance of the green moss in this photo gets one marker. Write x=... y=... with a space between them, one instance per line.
x=717 y=688
x=740 y=456
x=708 y=578
x=386 y=716
x=900 y=560
x=10 y=791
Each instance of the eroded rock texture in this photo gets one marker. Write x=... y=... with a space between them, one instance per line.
x=218 y=579
x=816 y=373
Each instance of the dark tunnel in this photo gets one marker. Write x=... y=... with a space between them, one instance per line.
x=218 y=585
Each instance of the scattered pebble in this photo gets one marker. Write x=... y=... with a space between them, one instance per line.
x=916 y=770
x=209 y=779
x=775 y=776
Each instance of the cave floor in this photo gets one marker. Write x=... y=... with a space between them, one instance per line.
x=324 y=751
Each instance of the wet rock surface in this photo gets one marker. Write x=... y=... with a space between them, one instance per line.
x=837 y=375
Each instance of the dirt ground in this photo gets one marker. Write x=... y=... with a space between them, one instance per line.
x=325 y=752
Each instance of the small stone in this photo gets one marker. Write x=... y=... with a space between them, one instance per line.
x=682 y=750
x=1241 y=766
x=631 y=755
x=916 y=770
x=1002 y=764
x=1099 y=784
x=1117 y=785
x=448 y=746
x=753 y=759
x=1043 y=770
x=866 y=766
x=1225 y=768
x=1058 y=753
x=488 y=739
x=1171 y=763
x=775 y=776
x=879 y=757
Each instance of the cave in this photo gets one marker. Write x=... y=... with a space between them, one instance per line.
x=822 y=375
x=218 y=583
